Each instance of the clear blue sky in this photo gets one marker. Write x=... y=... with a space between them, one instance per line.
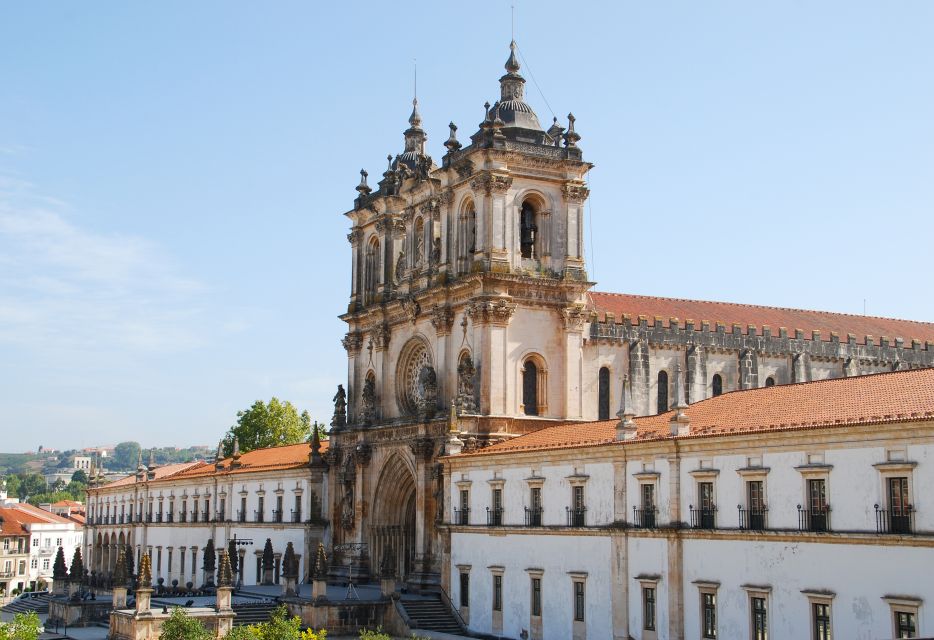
x=173 y=174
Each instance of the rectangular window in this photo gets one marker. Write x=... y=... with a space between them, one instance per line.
x=222 y=509
x=496 y=513
x=755 y=502
x=535 y=507
x=45 y=564
x=22 y=567
x=899 y=505
x=648 y=608
x=298 y=509
x=905 y=625
x=821 y=614
x=181 y=561
x=261 y=507
x=465 y=589
x=243 y=509
x=34 y=563
x=760 y=622
x=709 y=607
x=278 y=514
x=497 y=592
x=35 y=542
x=578 y=497
x=465 y=499
x=194 y=512
x=705 y=517
x=58 y=542
x=817 y=503
x=536 y=597
x=578 y=600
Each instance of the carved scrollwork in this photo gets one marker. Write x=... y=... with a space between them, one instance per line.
x=574 y=317
x=497 y=311
x=363 y=453
x=422 y=448
x=442 y=318
x=575 y=192
x=464 y=169
x=488 y=183
x=381 y=336
x=411 y=308
x=352 y=343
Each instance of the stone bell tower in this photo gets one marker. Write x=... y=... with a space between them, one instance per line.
x=467 y=289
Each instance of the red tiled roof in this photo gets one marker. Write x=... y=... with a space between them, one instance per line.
x=884 y=397
x=288 y=456
x=68 y=503
x=730 y=313
x=26 y=512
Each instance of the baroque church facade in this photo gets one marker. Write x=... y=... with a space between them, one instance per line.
x=471 y=312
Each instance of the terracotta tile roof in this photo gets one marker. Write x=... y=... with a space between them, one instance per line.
x=884 y=397
x=161 y=472
x=288 y=456
x=68 y=503
x=730 y=313
x=10 y=524
x=29 y=513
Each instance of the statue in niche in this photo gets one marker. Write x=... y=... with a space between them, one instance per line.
x=436 y=251
x=428 y=385
x=400 y=267
x=368 y=409
x=348 y=479
x=466 y=398
x=340 y=408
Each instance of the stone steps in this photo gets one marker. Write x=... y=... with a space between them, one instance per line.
x=253 y=613
x=39 y=604
x=432 y=614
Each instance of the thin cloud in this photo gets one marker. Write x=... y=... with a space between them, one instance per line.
x=65 y=287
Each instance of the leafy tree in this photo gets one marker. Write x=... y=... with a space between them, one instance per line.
x=29 y=484
x=24 y=626
x=180 y=626
x=79 y=476
x=280 y=626
x=125 y=455
x=268 y=425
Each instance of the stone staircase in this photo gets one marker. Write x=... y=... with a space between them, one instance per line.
x=431 y=613
x=39 y=604
x=253 y=612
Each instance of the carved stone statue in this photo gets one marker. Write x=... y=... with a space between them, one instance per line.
x=428 y=382
x=348 y=480
x=466 y=396
x=400 y=267
x=436 y=251
x=368 y=408
x=340 y=408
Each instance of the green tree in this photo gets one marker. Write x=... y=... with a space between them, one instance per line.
x=180 y=626
x=268 y=425
x=30 y=484
x=280 y=626
x=125 y=455
x=79 y=476
x=24 y=626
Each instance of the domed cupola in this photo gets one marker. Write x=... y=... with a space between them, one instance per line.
x=414 y=157
x=512 y=108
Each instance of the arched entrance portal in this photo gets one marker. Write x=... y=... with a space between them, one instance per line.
x=392 y=528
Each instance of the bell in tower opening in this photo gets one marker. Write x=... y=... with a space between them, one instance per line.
x=528 y=230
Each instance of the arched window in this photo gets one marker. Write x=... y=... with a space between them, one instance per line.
x=418 y=243
x=371 y=270
x=530 y=389
x=603 y=410
x=717 y=385
x=467 y=242
x=770 y=381
x=528 y=230
x=534 y=386
x=662 y=391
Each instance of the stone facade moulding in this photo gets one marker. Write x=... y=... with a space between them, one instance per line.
x=488 y=183
x=678 y=336
x=496 y=311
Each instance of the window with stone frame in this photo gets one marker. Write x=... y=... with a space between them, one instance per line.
x=528 y=230
x=821 y=614
x=904 y=611
x=534 y=386
x=716 y=385
x=603 y=394
x=648 y=608
x=497 y=592
x=536 y=604
x=662 y=404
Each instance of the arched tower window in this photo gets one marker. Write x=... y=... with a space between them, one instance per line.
x=603 y=393
x=528 y=229
x=371 y=270
x=770 y=381
x=467 y=242
x=662 y=391
x=534 y=377
x=717 y=385
x=419 y=243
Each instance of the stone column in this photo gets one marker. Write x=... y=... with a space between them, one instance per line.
x=639 y=373
x=442 y=320
x=574 y=195
x=425 y=574
x=574 y=317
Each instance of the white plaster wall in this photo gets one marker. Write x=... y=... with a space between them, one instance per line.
x=603 y=354
x=663 y=359
x=825 y=370
x=727 y=365
x=648 y=556
x=534 y=331
x=547 y=552
x=859 y=575
x=662 y=487
x=775 y=367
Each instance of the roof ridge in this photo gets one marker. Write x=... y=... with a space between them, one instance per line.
x=758 y=306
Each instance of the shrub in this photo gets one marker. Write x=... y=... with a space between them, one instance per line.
x=24 y=626
x=180 y=626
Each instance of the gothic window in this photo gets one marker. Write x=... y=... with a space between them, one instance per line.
x=534 y=377
x=410 y=385
x=717 y=385
x=467 y=242
x=528 y=230
x=662 y=391
x=419 y=243
x=603 y=410
x=770 y=381
x=371 y=270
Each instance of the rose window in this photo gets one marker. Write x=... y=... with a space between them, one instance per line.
x=411 y=391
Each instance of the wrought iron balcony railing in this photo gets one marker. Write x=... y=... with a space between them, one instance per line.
x=814 y=519
x=703 y=518
x=756 y=519
x=900 y=520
